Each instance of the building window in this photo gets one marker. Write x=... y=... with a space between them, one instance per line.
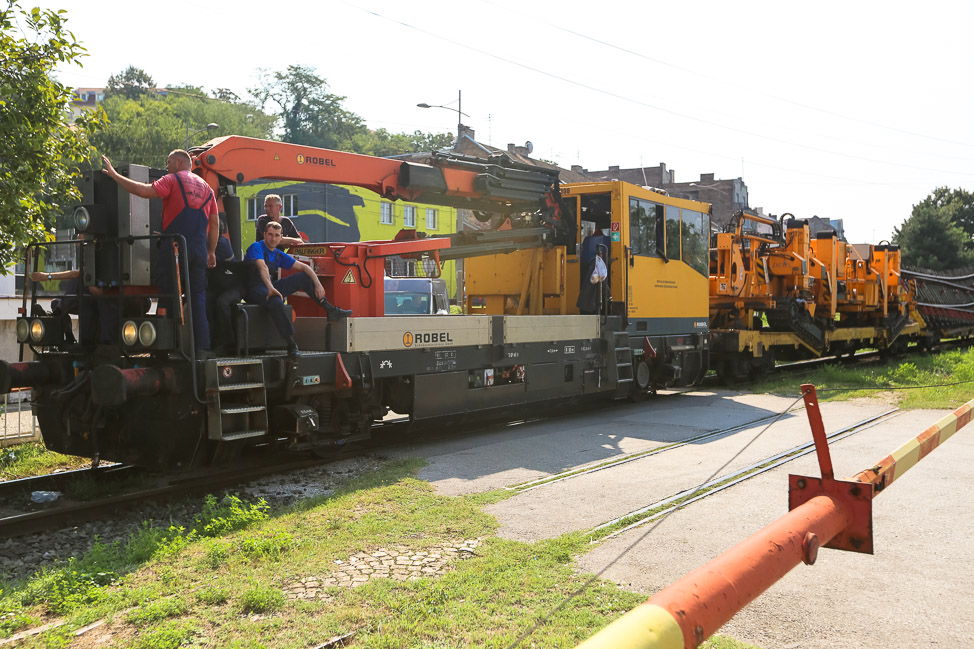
x=252 y=213
x=385 y=213
x=409 y=216
x=430 y=218
x=290 y=205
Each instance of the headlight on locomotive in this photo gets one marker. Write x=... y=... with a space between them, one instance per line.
x=23 y=330
x=81 y=219
x=37 y=331
x=130 y=333
x=147 y=334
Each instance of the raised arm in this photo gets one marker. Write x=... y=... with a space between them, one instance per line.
x=145 y=190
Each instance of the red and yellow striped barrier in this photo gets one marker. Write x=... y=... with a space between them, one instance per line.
x=684 y=614
x=905 y=457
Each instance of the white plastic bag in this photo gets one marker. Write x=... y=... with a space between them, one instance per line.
x=599 y=273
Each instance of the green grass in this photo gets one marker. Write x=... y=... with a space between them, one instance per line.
x=262 y=599
x=223 y=580
x=903 y=380
x=26 y=460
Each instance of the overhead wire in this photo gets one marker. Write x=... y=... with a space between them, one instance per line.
x=717 y=79
x=621 y=97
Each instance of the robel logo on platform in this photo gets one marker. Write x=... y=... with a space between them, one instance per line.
x=426 y=338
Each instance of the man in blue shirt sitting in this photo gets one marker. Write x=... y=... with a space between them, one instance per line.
x=271 y=293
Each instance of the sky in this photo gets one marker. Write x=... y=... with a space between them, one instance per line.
x=843 y=110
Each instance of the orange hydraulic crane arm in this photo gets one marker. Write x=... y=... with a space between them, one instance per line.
x=497 y=184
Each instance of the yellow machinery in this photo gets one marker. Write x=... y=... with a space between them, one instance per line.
x=780 y=291
x=773 y=274
x=655 y=248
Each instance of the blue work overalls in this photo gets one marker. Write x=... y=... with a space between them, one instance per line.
x=192 y=223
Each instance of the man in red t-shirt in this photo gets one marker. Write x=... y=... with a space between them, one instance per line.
x=188 y=208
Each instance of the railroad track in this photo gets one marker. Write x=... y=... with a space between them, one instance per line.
x=661 y=508
x=62 y=479
x=632 y=457
x=387 y=434
x=72 y=513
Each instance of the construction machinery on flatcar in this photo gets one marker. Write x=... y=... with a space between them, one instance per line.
x=585 y=291
x=778 y=294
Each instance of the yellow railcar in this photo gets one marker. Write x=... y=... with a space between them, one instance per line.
x=656 y=251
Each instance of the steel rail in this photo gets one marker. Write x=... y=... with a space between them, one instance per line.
x=718 y=484
x=58 y=481
x=632 y=457
x=56 y=517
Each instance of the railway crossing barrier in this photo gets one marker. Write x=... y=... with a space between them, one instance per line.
x=823 y=512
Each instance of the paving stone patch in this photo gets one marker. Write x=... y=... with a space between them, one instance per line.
x=398 y=562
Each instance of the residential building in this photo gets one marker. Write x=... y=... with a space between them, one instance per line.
x=85 y=99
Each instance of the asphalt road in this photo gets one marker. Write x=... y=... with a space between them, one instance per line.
x=913 y=592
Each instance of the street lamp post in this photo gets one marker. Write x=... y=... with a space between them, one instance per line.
x=209 y=127
x=459 y=113
x=458 y=264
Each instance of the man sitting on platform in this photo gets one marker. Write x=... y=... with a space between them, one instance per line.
x=270 y=292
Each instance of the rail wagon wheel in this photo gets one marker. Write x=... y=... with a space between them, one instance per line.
x=640 y=381
x=332 y=417
x=733 y=369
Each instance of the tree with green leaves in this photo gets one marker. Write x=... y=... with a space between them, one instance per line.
x=40 y=152
x=381 y=142
x=131 y=83
x=932 y=238
x=308 y=113
x=958 y=205
x=145 y=129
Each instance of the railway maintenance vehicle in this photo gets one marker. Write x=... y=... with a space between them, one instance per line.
x=141 y=395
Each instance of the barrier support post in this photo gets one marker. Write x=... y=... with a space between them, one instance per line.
x=855 y=497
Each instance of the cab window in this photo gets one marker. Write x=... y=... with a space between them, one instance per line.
x=644 y=218
x=694 y=230
x=673 y=232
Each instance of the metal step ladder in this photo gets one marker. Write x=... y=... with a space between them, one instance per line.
x=623 y=359
x=236 y=399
